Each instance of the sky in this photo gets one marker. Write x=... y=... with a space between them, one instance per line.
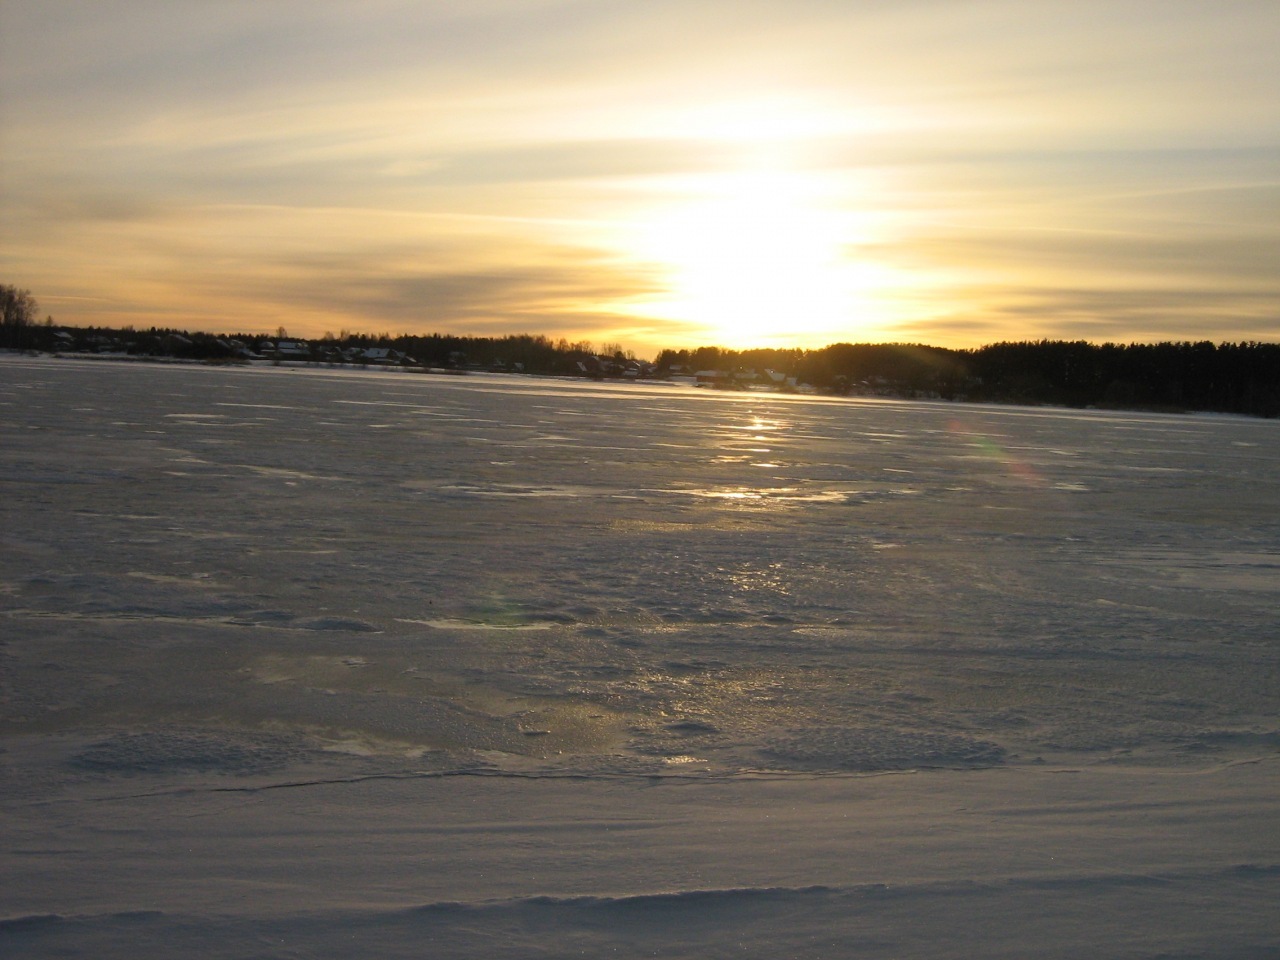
x=648 y=173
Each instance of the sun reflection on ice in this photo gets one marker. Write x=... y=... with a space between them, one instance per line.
x=767 y=495
x=756 y=579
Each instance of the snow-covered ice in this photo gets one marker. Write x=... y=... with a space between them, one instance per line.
x=323 y=663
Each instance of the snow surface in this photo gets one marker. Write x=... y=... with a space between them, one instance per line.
x=325 y=663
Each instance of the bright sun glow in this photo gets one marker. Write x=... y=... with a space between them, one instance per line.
x=763 y=258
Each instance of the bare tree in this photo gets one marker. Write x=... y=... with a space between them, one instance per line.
x=17 y=307
x=17 y=317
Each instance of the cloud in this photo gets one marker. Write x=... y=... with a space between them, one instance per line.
x=398 y=286
x=484 y=163
x=541 y=297
x=1139 y=314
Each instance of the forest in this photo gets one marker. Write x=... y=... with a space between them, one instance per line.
x=1224 y=377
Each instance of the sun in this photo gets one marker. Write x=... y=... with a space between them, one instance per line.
x=761 y=258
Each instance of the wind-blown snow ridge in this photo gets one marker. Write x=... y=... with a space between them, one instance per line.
x=497 y=774
x=664 y=900
x=671 y=903
x=36 y=921
x=699 y=899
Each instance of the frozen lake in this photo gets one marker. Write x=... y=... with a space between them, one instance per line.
x=345 y=664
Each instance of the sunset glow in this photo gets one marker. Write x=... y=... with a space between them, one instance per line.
x=763 y=258
x=660 y=174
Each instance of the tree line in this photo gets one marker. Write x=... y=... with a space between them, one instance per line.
x=1224 y=377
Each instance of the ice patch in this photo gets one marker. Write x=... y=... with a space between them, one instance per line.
x=869 y=749
x=521 y=491
x=456 y=624
x=335 y=623
x=757 y=494
x=201 y=751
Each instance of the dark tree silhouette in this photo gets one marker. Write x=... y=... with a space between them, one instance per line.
x=18 y=311
x=1227 y=377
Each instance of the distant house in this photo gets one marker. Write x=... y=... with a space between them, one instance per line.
x=770 y=380
x=97 y=343
x=330 y=353
x=285 y=350
x=594 y=367
x=378 y=356
x=777 y=382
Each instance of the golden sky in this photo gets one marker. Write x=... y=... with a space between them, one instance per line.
x=649 y=172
